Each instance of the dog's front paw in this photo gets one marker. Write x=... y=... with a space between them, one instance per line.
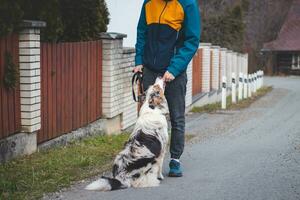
x=160 y=177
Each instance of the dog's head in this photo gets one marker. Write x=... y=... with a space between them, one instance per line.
x=155 y=97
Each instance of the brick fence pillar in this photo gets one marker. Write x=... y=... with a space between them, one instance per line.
x=189 y=86
x=215 y=67
x=235 y=66
x=206 y=66
x=30 y=80
x=25 y=142
x=223 y=62
x=118 y=107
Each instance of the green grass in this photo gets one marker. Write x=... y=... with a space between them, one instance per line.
x=211 y=108
x=31 y=176
x=43 y=172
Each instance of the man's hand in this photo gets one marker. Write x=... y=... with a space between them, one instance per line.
x=168 y=77
x=137 y=69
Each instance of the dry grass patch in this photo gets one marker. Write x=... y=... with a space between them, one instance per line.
x=211 y=108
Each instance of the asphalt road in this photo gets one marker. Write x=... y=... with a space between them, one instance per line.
x=237 y=155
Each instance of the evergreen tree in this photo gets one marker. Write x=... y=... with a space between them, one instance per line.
x=48 y=11
x=10 y=16
x=67 y=20
x=89 y=18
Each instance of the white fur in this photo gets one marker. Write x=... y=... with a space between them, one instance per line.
x=100 y=185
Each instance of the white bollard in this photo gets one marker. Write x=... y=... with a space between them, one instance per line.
x=262 y=78
x=259 y=78
x=245 y=86
x=233 y=88
x=255 y=82
x=241 y=86
x=250 y=85
x=224 y=95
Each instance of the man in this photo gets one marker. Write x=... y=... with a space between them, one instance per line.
x=168 y=35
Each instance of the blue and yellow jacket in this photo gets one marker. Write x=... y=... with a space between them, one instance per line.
x=168 y=35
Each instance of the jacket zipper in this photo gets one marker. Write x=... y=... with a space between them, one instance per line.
x=159 y=29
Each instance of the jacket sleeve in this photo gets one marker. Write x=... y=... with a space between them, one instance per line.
x=191 y=31
x=141 y=37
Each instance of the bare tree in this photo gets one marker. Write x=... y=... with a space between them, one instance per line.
x=262 y=19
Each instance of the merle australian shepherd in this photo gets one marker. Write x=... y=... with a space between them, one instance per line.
x=140 y=163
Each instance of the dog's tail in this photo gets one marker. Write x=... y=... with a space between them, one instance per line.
x=105 y=184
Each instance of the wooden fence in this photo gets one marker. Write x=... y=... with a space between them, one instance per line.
x=71 y=75
x=197 y=73
x=10 y=115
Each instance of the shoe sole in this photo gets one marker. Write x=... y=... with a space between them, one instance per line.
x=175 y=175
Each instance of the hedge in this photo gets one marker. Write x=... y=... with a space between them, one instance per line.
x=67 y=20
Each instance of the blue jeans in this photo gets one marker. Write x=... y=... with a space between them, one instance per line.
x=175 y=92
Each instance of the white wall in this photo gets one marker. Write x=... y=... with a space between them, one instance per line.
x=215 y=50
x=206 y=66
x=124 y=15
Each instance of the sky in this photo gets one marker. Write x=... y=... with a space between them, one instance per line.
x=124 y=16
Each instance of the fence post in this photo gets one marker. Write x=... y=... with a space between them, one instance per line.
x=255 y=82
x=30 y=81
x=250 y=85
x=245 y=86
x=262 y=78
x=258 y=80
x=224 y=95
x=118 y=108
x=215 y=67
x=233 y=88
x=223 y=66
x=241 y=82
x=206 y=67
x=228 y=67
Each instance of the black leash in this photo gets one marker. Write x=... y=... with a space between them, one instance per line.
x=138 y=78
